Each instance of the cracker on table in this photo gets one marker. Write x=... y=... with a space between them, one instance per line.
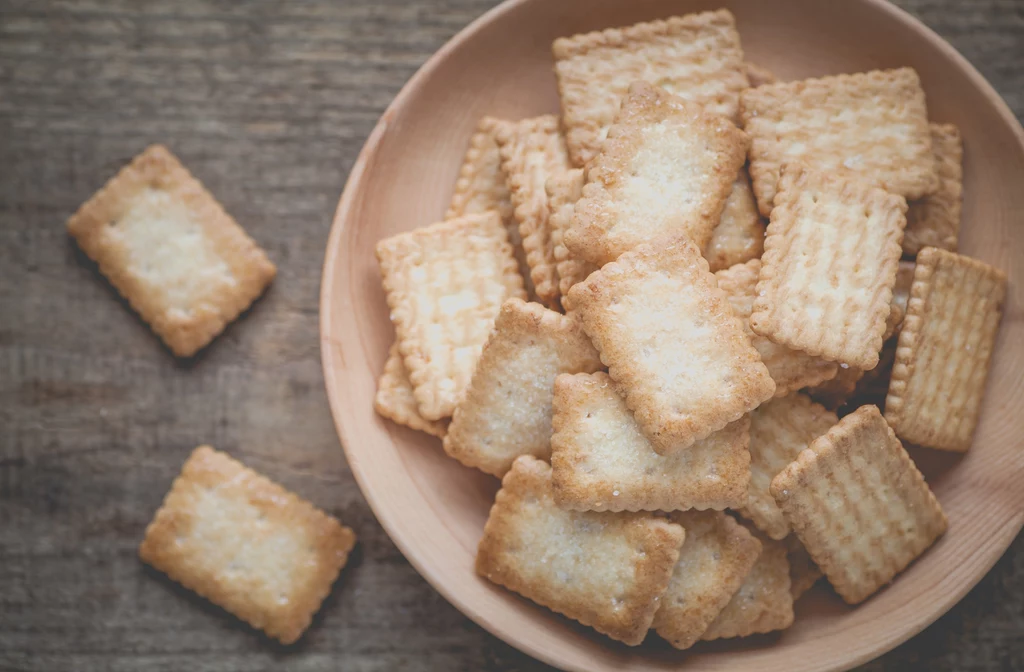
x=445 y=284
x=780 y=430
x=607 y=571
x=934 y=221
x=696 y=57
x=739 y=235
x=790 y=369
x=672 y=343
x=533 y=150
x=395 y=400
x=871 y=124
x=507 y=408
x=600 y=460
x=716 y=557
x=246 y=544
x=829 y=266
x=945 y=350
x=171 y=250
x=758 y=75
x=667 y=167
x=563 y=192
x=803 y=573
x=859 y=505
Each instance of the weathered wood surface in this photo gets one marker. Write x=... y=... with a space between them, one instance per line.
x=268 y=103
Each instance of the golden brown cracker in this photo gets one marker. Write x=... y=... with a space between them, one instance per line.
x=758 y=75
x=395 y=400
x=803 y=573
x=934 y=221
x=563 y=192
x=739 y=235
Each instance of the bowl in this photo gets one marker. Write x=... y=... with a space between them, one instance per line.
x=434 y=509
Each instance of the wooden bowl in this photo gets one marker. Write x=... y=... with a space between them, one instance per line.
x=434 y=509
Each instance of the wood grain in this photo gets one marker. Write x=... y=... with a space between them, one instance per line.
x=268 y=103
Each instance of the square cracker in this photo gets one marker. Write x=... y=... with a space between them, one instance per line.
x=803 y=573
x=507 y=408
x=563 y=192
x=672 y=343
x=934 y=221
x=533 y=150
x=667 y=167
x=246 y=544
x=945 y=350
x=790 y=369
x=600 y=461
x=445 y=284
x=780 y=430
x=829 y=267
x=716 y=557
x=739 y=234
x=859 y=505
x=171 y=250
x=395 y=400
x=697 y=57
x=604 y=570
x=871 y=124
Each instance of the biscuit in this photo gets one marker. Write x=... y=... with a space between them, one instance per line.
x=934 y=221
x=563 y=192
x=759 y=76
x=739 y=234
x=171 y=250
x=395 y=401
x=803 y=573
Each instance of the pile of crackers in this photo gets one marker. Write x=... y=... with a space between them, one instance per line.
x=669 y=319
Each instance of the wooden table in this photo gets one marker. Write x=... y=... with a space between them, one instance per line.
x=268 y=103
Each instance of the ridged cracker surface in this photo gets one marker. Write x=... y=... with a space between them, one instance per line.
x=945 y=350
x=395 y=400
x=601 y=461
x=803 y=573
x=739 y=235
x=859 y=505
x=606 y=571
x=563 y=192
x=934 y=221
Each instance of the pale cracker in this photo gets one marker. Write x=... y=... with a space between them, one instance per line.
x=246 y=544
x=445 y=284
x=758 y=75
x=716 y=557
x=600 y=460
x=672 y=343
x=666 y=168
x=697 y=57
x=395 y=400
x=945 y=350
x=859 y=505
x=935 y=219
x=563 y=192
x=507 y=408
x=871 y=124
x=171 y=250
x=603 y=570
x=803 y=573
x=739 y=235
x=829 y=266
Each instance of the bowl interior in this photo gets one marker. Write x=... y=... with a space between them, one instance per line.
x=434 y=508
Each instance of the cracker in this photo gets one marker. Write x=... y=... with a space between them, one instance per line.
x=716 y=557
x=533 y=150
x=445 y=284
x=790 y=369
x=833 y=393
x=697 y=57
x=395 y=400
x=945 y=350
x=829 y=267
x=246 y=544
x=672 y=344
x=759 y=76
x=603 y=570
x=934 y=221
x=739 y=234
x=563 y=192
x=666 y=168
x=803 y=573
x=779 y=431
x=507 y=409
x=171 y=250
x=859 y=505
x=871 y=124
x=600 y=460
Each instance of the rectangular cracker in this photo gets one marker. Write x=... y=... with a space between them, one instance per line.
x=246 y=544
x=870 y=124
x=780 y=430
x=716 y=557
x=507 y=408
x=696 y=57
x=533 y=150
x=666 y=168
x=445 y=284
x=739 y=234
x=829 y=266
x=758 y=75
x=790 y=369
x=563 y=192
x=395 y=400
x=600 y=461
x=803 y=573
x=672 y=343
x=170 y=249
x=945 y=350
x=606 y=571
x=859 y=505
x=934 y=221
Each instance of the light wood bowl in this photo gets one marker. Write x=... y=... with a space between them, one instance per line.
x=434 y=509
